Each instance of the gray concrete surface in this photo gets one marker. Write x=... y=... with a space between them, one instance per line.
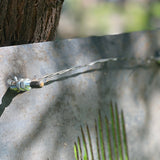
x=43 y=124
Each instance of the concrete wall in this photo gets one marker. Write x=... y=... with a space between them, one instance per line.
x=44 y=123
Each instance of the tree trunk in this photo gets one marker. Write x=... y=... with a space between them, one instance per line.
x=28 y=21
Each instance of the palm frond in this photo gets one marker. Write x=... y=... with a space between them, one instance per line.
x=110 y=139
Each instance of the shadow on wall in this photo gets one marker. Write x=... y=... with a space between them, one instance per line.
x=7 y=99
x=127 y=83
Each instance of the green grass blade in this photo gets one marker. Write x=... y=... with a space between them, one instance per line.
x=79 y=148
x=116 y=137
x=76 y=151
x=101 y=137
x=110 y=154
x=124 y=137
x=90 y=142
x=120 y=147
x=114 y=133
x=97 y=141
x=85 y=156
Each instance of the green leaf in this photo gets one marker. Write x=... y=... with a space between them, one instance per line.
x=90 y=143
x=76 y=151
x=124 y=137
x=113 y=124
x=116 y=139
x=110 y=152
x=97 y=141
x=85 y=157
x=101 y=137
x=120 y=147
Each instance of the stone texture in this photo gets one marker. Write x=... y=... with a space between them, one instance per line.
x=44 y=123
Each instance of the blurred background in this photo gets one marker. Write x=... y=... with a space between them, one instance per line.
x=82 y=18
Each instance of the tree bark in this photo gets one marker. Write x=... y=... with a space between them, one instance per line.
x=28 y=21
